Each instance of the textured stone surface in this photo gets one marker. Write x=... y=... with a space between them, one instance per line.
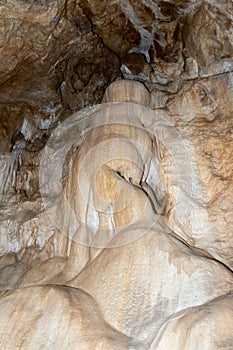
x=211 y=322
x=153 y=277
x=58 y=57
x=46 y=50
x=71 y=310
x=126 y=255
x=200 y=208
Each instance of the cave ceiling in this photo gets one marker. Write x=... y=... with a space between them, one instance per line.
x=58 y=57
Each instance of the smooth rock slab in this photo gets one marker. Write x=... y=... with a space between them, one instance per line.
x=139 y=285
x=208 y=327
x=55 y=317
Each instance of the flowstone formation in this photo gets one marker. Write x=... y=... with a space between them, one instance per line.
x=118 y=267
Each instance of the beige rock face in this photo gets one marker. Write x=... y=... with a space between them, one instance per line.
x=211 y=322
x=53 y=308
x=145 y=273
x=200 y=201
x=152 y=278
x=130 y=200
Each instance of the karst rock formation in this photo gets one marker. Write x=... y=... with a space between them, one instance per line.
x=116 y=196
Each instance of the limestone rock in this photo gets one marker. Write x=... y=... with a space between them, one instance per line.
x=45 y=50
x=153 y=277
x=209 y=326
x=59 y=317
x=162 y=280
x=108 y=20
x=198 y=177
x=127 y=91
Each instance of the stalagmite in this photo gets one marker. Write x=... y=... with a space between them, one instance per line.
x=129 y=275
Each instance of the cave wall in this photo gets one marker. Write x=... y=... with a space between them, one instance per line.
x=59 y=56
x=57 y=59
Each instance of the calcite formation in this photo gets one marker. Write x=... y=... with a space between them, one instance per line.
x=123 y=259
x=116 y=152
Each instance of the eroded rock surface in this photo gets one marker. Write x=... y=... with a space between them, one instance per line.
x=114 y=234
x=217 y=332
x=164 y=148
x=69 y=309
